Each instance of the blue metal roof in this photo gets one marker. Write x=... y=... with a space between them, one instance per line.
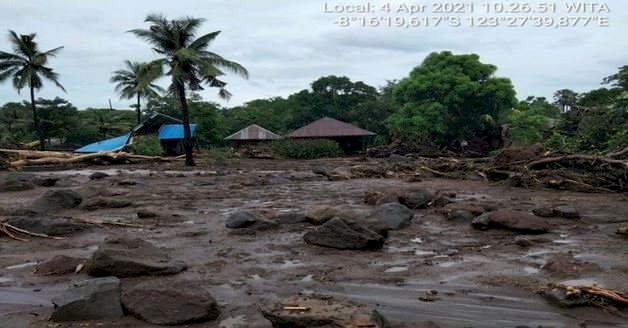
x=173 y=131
x=112 y=144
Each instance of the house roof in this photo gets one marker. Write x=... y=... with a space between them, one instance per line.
x=154 y=122
x=173 y=131
x=113 y=144
x=253 y=132
x=329 y=127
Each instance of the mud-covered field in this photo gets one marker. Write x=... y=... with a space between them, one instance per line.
x=437 y=272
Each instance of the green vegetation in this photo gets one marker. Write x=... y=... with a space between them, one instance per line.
x=147 y=145
x=307 y=148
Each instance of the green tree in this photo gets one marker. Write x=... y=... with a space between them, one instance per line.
x=190 y=63
x=539 y=106
x=108 y=123
x=526 y=127
x=57 y=117
x=26 y=67
x=450 y=97
x=565 y=99
x=137 y=81
x=16 y=124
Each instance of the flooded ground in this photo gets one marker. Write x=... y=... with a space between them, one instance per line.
x=479 y=278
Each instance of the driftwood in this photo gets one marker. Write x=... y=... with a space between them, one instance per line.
x=610 y=161
x=16 y=233
x=53 y=160
x=618 y=153
x=19 y=153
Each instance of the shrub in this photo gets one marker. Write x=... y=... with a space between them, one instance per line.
x=147 y=145
x=307 y=149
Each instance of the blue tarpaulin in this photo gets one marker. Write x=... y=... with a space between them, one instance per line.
x=112 y=144
x=173 y=131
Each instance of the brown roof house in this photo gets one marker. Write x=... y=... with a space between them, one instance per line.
x=350 y=137
x=252 y=135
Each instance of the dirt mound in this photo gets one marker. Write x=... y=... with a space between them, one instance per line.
x=517 y=156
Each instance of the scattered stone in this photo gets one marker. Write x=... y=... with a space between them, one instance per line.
x=523 y=242
x=58 y=265
x=564 y=264
x=622 y=231
x=508 y=219
x=47 y=225
x=417 y=198
x=459 y=215
x=15 y=185
x=440 y=201
x=368 y=171
x=247 y=219
x=319 y=214
x=290 y=218
x=96 y=203
x=53 y=201
x=98 y=176
x=323 y=311
x=337 y=233
x=148 y=213
x=393 y=215
x=93 y=299
x=544 y=211
x=126 y=257
x=379 y=197
x=567 y=212
x=474 y=209
x=340 y=173
x=170 y=302
x=126 y=182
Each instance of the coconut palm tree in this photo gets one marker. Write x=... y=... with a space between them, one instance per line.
x=190 y=64
x=137 y=81
x=26 y=67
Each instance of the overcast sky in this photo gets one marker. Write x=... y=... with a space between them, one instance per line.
x=287 y=44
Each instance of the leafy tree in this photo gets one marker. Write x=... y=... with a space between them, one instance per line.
x=16 y=124
x=190 y=64
x=26 y=67
x=137 y=81
x=526 y=127
x=619 y=79
x=565 y=99
x=450 y=97
x=539 y=106
x=58 y=117
x=273 y=114
x=598 y=97
x=108 y=123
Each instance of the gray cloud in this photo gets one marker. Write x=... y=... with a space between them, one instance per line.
x=287 y=44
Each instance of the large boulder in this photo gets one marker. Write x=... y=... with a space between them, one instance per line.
x=393 y=215
x=53 y=201
x=17 y=181
x=47 y=225
x=93 y=299
x=247 y=219
x=170 y=302
x=341 y=234
x=417 y=198
x=518 y=221
x=126 y=257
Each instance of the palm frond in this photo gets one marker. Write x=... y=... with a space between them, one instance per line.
x=204 y=41
x=53 y=77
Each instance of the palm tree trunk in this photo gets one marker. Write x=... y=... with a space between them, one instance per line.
x=139 y=113
x=187 y=135
x=40 y=135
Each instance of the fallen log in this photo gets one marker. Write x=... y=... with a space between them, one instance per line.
x=27 y=154
x=610 y=161
x=618 y=153
x=87 y=157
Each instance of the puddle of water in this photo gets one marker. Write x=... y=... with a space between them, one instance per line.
x=396 y=269
x=233 y=322
x=20 y=266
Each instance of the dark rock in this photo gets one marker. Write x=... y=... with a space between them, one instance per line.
x=147 y=213
x=337 y=233
x=564 y=264
x=247 y=219
x=126 y=257
x=126 y=182
x=544 y=211
x=98 y=176
x=523 y=242
x=566 y=211
x=417 y=198
x=55 y=200
x=104 y=202
x=440 y=201
x=290 y=218
x=470 y=207
x=320 y=214
x=26 y=181
x=58 y=265
x=378 y=197
x=93 y=299
x=393 y=215
x=459 y=215
x=15 y=185
x=507 y=219
x=47 y=225
x=170 y=302
x=514 y=180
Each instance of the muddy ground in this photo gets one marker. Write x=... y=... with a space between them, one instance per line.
x=482 y=278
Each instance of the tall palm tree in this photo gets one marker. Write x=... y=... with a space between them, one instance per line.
x=137 y=81
x=26 y=67
x=190 y=64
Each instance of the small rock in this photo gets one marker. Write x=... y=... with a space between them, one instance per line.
x=544 y=211
x=127 y=257
x=15 y=185
x=564 y=264
x=247 y=219
x=319 y=214
x=98 y=176
x=170 y=302
x=523 y=242
x=459 y=215
x=567 y=212
x=337 y=233
x=379 y=197
x=47 y=225
x=93 y=299
x=440 y=201
x=58 y=265
x=126 y=182
x=147 y=213
x=507 y=219
x=96 y=203
x=416 y=198
x=392 y=215
x=340 y=173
